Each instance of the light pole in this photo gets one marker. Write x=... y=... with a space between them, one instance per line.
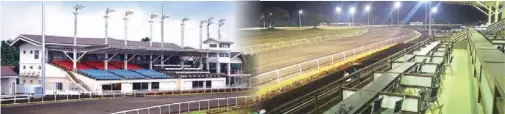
x=153 y=16
x=127 y=13
x=77 y=7
x=263 y=19
x=151 y=38
x=182 y=31
x=433 y=10
x=352 y=10
x=201 y=26
x=43 y=58
x=300 y=12
x=270 y=21
x=209 y=22
x=107 y=11
x=338 y=10
x=425 y=21
x=367 y=10
x=221 y=23
x=397 y=6
x=163 y=17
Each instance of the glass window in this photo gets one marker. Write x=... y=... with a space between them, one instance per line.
x=40 y=67
x=31 y=81
x=59 y=86
x=36 y=56
x=24 y=67
x=24 y=51
x=31 y=67
x=31 y=52
x=213 y=45
x=224 y=45
x=224 y=55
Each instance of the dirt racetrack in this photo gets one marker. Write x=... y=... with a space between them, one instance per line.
x=107 y=106
x=284 y=57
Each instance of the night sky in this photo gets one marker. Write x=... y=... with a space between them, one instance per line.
x=447 y=13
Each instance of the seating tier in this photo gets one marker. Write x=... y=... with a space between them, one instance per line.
x=151 y=73
x=68 y=65
x=128 y=74
x=100 y=65
x=100 y=74
x=130 y=66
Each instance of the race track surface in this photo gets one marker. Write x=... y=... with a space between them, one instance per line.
x=107 y=106
x=280 y=58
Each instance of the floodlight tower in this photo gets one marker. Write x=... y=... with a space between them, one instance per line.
x=220 y=24
x=433 y=11
x=262 y=17
x=127 y=13
x=182 y=30
x=43 y=58
x=269 y=21
x=162 y=21
x=107 y=11
x=74 y=61
x=367 y=10
x=425 y=12
x=153 y=16
x=338 y=10
x=397 y=7
x=201 y=26
x=300 y=12
x=209 y=22
x=352 y=10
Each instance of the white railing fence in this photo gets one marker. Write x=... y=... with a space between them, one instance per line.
x=188 y=106
x=293 y=71
x=62 y=96
x=256 y=49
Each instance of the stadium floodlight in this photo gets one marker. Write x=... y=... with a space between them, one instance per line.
x=434 y=10
x=424 y=1
x=397 y=6
x=182 y=31
x=162 y=28
x=209 y=22
x=300 y=17
x=201 y=26
x=153 y=16
x=352 y=11
x=74 y=61
x=338 y=10
x=127 y=13
x=367 y=10
x=221 y=23
x=270 y=22
x=107 y=11
x=262 y=17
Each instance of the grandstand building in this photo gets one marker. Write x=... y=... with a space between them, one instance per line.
x=103 y=68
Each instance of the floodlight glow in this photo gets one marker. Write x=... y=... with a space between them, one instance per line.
x=423 y=1
x=398 y=4
x=434 y=10
x=367 y=8
x=352 y=10
x=338 y=9
x=300 y=12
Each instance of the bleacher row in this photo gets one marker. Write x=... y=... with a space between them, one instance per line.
x=116 y=71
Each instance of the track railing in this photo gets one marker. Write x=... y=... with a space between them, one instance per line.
x=188 y=106
x=62 y=96
x=256 y=49
x=293 y=71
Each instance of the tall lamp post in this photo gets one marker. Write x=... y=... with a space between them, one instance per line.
x=270 y=21
x=77 y=7
x=127 y=13
x=263 y=19
x=107 y=11
x=201 y=30
x=220 y=24
x=163 y=17
x=433 y=11
x=151 y=38
x=425 y=21
x=397 y=6
x=300 y=12
x=209 y=22
x=43 y=58
x=367 y=10
x=338 y=10
x=352 y=10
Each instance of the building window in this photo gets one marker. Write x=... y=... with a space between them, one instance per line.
x=31 y=67
x=31 y=52
x=24 y=81
x=36 y=54
x=224 y=45
x=24 y=51
x=24 y=67
x=224 y=55
x=40 y=67
x=31 y=81
x=59 y=86
x=213 y=45
x=40 y=81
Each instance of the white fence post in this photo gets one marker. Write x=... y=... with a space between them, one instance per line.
x=278 y=77
x=300 y=68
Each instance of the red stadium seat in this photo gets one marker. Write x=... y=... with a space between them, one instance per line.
x=69 y=65
x=130 y=66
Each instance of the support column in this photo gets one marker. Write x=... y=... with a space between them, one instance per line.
x=106 y=62
x=151 y=62
x=489 y=16
x=126 y=61
x=218 y=66
x=182 y=62
x=497 y=9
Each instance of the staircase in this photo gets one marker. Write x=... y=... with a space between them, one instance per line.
x=73 y=78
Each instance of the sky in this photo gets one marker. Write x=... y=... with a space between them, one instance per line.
x=25 y=18
x=380 y=11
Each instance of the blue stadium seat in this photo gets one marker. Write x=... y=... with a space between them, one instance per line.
x=100 y=75
x=128 y=74
x=152 y=73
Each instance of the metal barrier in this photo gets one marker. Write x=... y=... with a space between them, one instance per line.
x=188 y=106
x=279 y=75
x=255 y=49
x=80 y=95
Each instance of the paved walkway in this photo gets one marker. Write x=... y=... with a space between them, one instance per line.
x=459 y=93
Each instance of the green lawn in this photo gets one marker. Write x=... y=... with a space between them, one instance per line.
x=283 y=34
